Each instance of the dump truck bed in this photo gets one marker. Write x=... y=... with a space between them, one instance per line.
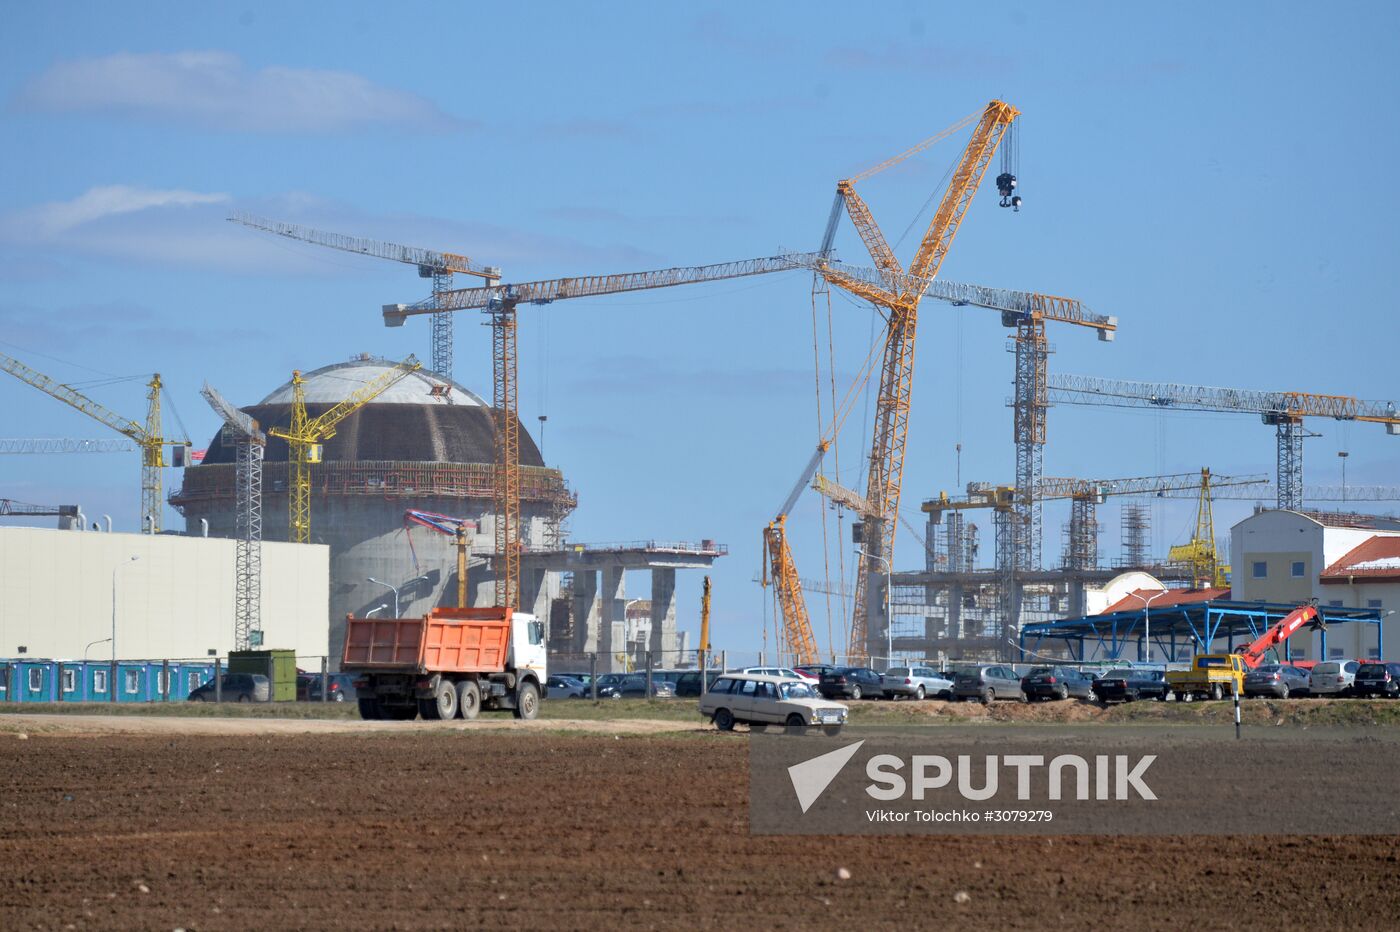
x=446 y=640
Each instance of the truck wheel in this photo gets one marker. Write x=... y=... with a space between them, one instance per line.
x=370 y=711
x=428 y=709
x=724 y=720
x=401 y=713
x=445 y=702
x=1188 y=696
x=527 y=702
x=1216 y=692
x=468 y=699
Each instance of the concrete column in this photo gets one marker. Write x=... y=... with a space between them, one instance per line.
x=1077 y=608
x=586 y=611
x=612 y=634
x=663 y=615
x=534 y=593
x=877 y=625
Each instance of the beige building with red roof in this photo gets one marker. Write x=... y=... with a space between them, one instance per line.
x=1347 y=560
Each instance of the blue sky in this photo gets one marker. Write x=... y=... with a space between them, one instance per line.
x=1206 y=172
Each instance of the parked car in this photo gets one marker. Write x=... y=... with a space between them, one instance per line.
x=1130 y=684
x=1378 y=679
x=688 y=683
x=785 y=672
x=815 y=669
x=852 y=682
x=633 y=686
x=585 y=678
x=1333 y=677
x=760 y=700
x=1279 y=680
x=304 y=686
x=1043 y=683
x=565 y=687
x=987 y=683
x=607 y=685
x=236 y=687
x=340 y=687
x=915 y=682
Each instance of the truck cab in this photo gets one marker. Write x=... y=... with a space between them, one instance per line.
x=1211 y=675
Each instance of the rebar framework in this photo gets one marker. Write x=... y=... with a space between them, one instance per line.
x=1082 y=544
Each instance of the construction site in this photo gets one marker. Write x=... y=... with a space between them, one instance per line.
x=429 y=494
x=697 y=465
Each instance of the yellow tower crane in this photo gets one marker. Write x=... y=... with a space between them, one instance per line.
x=304 y=437
x=147 y=437
x=1200 y=553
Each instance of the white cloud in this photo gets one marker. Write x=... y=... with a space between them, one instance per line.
x=216 y=89
x=55 y=217
x=177 y=227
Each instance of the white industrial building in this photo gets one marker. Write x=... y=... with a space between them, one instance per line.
x=174 y=595
x=1342 y=560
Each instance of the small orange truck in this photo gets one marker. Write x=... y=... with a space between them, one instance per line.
x=450 y=663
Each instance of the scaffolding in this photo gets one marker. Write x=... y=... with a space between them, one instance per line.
x=387 y=479
x=1135 y=526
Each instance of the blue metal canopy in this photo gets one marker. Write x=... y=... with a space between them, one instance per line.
x=1197 y=626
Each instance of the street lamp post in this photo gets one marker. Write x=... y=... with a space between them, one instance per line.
x=889 y=620
x=390 y=588
x=1147 y=621
x=394 y=590
x=133 y=559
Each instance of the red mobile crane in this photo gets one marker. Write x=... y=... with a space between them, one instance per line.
x=1217 y=675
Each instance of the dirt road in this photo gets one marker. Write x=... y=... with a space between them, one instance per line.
x=99 y=725
x=452 y=828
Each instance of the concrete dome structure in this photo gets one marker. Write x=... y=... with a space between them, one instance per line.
x=425 y=444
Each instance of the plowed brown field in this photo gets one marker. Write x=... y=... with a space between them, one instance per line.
x=448 y=829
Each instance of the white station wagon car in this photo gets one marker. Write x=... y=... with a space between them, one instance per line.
x=758 y=699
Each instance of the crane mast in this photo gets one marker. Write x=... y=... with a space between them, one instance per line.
x=250 y=444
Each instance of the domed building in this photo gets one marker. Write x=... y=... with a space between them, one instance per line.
x=425 y=444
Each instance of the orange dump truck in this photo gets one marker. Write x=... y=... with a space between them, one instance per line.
x=451 y=663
